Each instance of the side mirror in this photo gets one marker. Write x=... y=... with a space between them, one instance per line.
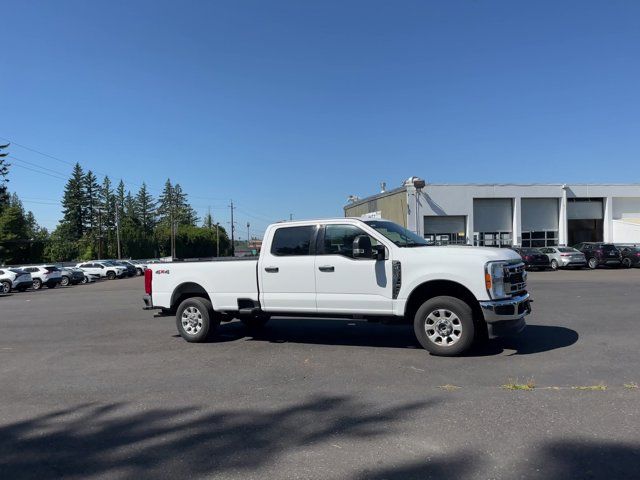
x=362 y=247
x=379 y=252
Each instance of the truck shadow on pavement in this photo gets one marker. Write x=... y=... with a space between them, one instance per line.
x=125 y=440
x=535 y=338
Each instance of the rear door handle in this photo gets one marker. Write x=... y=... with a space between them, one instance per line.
x=327 y=268
x=271 y=269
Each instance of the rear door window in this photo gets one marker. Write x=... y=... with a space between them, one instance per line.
x=290 y=241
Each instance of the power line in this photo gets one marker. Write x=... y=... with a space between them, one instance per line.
x=38 y=171
x=36 y=165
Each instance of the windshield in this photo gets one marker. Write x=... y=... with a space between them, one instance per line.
x=397 y=234
x=567 y=250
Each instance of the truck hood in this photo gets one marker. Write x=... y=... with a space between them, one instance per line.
x=484 y=254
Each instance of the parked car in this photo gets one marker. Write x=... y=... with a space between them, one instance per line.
x=630 y=255
x=140 y=266
x=349 y=267
x=132 y=271
x=564 y=257
x=14 y=279
x=104 y=269
x=48 y=275
x=71 y=276
x=533 y=258
x=600 y=253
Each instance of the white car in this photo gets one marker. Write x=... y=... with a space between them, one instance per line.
x=48 y=275
x=14 y=279
x=351 y=268
x=102 y=269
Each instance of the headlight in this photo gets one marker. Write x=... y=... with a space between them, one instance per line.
x=494 y=279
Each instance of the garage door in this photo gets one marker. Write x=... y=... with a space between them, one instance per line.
x=492 y=221
x=540 y=217
x=446 y=229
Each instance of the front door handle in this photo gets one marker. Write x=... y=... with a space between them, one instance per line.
x=271 y=269
x=327 y=268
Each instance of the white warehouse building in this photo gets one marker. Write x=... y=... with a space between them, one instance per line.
x=532 y=215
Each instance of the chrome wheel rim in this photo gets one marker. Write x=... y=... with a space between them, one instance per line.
x=443 y=327
x=191 y=320
x=5 y=287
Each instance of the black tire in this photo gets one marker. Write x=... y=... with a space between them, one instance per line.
x=592 y=263
x=554 y=264
x=139 y=272
x=206 y=318
x=626 y=262
x=255 y=323
x=65 y=281
x=5 y=286
x=111 y=275
x=37 y=284
x=84 y=280
x=461 y=317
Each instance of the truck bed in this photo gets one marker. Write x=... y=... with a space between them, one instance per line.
x=225 y=280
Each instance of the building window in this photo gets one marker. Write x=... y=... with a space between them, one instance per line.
x=540 y=238
x=446 y=238
x=492 y=239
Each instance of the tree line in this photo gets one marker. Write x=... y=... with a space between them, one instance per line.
x=95 y=215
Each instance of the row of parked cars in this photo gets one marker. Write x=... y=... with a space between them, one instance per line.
x=38 y=276
x=582 y=255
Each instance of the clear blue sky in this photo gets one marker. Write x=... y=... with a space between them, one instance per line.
x=290 y=106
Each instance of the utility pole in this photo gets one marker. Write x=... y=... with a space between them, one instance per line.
x=233 y=228
x=100 y=233
x=217 y=239
x=118 y=231
x=248 y=237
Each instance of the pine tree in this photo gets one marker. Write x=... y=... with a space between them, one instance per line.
x=4 y=171
x=91 y=195
x=107 y=219
x=73 y=204
x=166 y=205
x=186 y=215
x=146 y=208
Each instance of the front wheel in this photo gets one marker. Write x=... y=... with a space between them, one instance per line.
x=5 y=286
x=139 y=272
x=111 y=275
x=554 y=265
x=592 y=263
x=37 y=284
x=626 y=262
x=444 y=326
x=196 y=320
x=65 y=281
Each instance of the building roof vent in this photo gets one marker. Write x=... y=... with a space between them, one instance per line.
x=383 y=187
x=353 y=198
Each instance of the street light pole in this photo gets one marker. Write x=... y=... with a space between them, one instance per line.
x=217 y=239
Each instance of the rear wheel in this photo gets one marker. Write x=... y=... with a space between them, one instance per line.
x=554 y=264
x=626 y=262
x=444 y=326
x=592 y=263
x=65 y=281
x=5 y=286
x=196 y=320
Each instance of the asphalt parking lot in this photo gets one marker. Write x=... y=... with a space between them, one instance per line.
x=92 y=386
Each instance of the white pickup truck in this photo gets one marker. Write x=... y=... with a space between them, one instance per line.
x=350 y=268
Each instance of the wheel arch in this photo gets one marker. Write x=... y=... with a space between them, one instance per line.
x=435 y=288
x=187 y=290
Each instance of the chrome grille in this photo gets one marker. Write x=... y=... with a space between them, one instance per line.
x=515 y=279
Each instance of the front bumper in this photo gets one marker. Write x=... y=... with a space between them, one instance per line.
x=506 y=317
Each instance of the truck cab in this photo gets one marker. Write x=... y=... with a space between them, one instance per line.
x=351 y=268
